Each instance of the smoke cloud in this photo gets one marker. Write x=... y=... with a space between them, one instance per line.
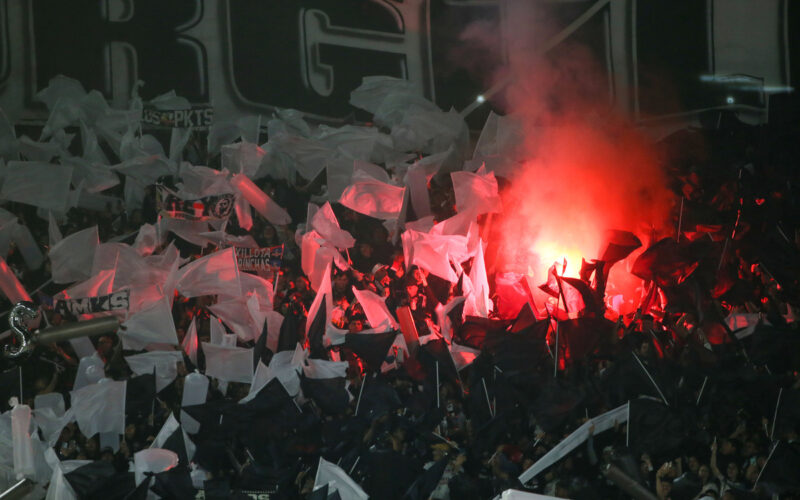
x=584 y=168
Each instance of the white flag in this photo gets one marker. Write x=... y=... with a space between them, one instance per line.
x=263 y=204
x=100 y=407
x=215 y=274
x=332 y=474
x=163 y=362
x=71 y=259
x=153 y=325
x=229 y=364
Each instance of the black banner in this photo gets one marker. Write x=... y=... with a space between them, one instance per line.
x=195 y=117
x=259 y=259
x=210 y=207
x=88 y=305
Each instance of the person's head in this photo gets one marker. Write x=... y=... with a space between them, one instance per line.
x=645 y=466
x=667 y=486
x=732 y=471
x=749 y=449
x=91 y=447
x=341 y=282
x=693 y=464
x=130 y=431
x=704 y=473
x=355 y=325
x=68 y=432
x=365 y=248
x=107 y=454
x=727 y=447
x=644 y=349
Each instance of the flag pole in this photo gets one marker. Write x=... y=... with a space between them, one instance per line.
x=651 y=378
x=774 y=417
x=360 y=391
x=702 y=388
x=628 y=427
x=486 y=392
x=555 y=358
x=437 y=386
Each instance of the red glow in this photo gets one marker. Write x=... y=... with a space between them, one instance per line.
x=580 y=182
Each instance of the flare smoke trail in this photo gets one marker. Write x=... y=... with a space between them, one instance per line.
x=584 y=168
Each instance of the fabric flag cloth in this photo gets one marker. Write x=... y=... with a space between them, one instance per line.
x=463 y=356
x=435 y=355
x=780 y=472
x=424 y=485
x=229 y=364
x=619 y=244
x=243 y=213
x=71 y=258
x=286 y=367
x=260 y=201
x=324 y=383
x=153 y=325
x=216 y=330
x=100 y=407
x=601 y=423
x=338 y=481
x=91 y=369
x=668 y=262
x=324 y=293
x=417 y=182
x=476 y=193
x=240 y=314
x=374 y=198
x=23 y=454
x=315 y=255
x=172 y=437
x=195 y=391
x=51 y=422
x=433 y=252
x=53 y=400
x=59 y=487
x=190 y=342
x=376 y=310
x=53 y=232
x=25 y=183
x=152 y=460
x=372 y=348
x=163 y=362
x=324 y=222
x=523 y=495
x=11 y=286
x=27 y=246
x=214 y=274
x=654 y=427
x=478 y=302
x=744 y=324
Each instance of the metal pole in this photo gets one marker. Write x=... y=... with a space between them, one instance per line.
x=437 y=385
x=17 y=491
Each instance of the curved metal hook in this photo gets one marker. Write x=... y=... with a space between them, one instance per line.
x=24 y=336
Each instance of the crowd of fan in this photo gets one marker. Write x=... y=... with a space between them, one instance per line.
x=481 y=444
